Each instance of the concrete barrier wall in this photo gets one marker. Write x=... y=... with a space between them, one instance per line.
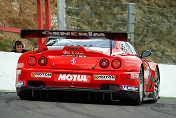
x=168 y=80
x=8 y=64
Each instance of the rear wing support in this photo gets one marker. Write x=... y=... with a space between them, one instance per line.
x=40 y=43
x=110 y=47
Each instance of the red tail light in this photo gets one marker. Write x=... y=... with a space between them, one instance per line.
x=42 y=61
x=104 y=63
x=116 y=63
x=31 y=61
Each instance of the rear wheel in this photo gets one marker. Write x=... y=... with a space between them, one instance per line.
x=156 y=86
x=140 y=94
x=139 y=99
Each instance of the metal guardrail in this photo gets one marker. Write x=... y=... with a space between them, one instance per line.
x=8 y=29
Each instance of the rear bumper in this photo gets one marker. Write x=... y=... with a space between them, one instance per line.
x=121 y=78
x=76 y=93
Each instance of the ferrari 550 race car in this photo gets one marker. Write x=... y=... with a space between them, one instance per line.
x=86 y=64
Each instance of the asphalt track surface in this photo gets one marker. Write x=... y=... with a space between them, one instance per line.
x=12 y=107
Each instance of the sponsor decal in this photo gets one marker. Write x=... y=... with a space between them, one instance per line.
x=20 y=84
x=72 y=77
x=133 y=76
x=74 y=55
x=48 y=33
x=104 y=77
x=46 y=75
x=129 y=88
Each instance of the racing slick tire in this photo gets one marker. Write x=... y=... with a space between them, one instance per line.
x=140 y=94
x=156 y=87
x=139 y=98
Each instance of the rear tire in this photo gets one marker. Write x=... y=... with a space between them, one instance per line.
x=140 y=93
x=139 y=99
x=156 y=86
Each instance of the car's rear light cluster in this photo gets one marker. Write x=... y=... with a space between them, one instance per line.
x=32 y=61
x=104 y=63
x=116 y=63
x=42 y=61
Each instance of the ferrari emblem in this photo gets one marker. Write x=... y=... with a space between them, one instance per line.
x=73 y=61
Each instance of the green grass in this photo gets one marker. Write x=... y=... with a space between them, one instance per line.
x=169 y=97
x=7 y=90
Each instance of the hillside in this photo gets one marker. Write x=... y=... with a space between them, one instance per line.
x=17 y=14
x=154 y=22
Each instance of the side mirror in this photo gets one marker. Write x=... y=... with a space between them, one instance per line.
x=35 y=48
x=146 y=53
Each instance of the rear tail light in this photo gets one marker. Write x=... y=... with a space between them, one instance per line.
x=18 y=73
x=42 y=61
x=104 y=63
x=116 y=63
x=31 y=61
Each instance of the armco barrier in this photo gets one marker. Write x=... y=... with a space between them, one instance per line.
x=8 y=64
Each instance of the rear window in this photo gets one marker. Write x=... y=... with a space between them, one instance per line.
x=94 y=42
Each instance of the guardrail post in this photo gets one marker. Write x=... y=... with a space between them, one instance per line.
x=131 y=21
x=61 y=15
x=47 y=14
x=40 y=14
x=40 y=19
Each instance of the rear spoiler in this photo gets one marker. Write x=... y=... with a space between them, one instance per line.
x=30 y=33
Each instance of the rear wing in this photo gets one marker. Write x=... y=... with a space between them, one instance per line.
x=30 y=33
x=46 y=33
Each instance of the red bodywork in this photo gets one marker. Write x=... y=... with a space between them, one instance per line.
x=83 y=72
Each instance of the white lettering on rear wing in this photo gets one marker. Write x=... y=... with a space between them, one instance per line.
x=73 y=33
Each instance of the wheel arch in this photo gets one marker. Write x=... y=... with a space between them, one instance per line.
x=157 y=67
x=142 y=67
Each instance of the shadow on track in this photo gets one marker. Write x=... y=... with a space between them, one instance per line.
x=81 y=100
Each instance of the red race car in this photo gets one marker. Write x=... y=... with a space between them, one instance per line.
x=86 y=64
